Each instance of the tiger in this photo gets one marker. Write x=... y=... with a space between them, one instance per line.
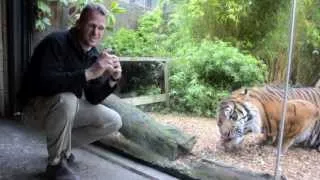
x=259 y=110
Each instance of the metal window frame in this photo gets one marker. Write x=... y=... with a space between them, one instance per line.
x=19 y=31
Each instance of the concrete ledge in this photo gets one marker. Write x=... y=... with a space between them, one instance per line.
x=23 y=156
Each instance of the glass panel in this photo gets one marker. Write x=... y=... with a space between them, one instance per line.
x=216 y=70
x=217 y=47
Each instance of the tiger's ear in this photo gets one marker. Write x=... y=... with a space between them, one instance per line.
x=246 y=93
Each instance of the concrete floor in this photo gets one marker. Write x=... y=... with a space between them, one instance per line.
x=23 y=156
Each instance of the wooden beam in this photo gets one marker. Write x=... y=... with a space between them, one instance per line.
x=166 y=83
x=143 y=59
x=141 y=100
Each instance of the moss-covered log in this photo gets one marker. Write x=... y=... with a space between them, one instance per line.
x=144 y=131
x=193 y=169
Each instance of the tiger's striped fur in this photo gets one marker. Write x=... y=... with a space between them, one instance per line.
x=258 y=110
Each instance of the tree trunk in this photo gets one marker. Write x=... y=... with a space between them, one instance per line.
x=142 y=130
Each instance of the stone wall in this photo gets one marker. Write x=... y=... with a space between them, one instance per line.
x=135 y=9
x=148 y=4
x=130 y=18
x=3 y=61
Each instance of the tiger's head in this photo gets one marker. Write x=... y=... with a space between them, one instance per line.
x=237 y=116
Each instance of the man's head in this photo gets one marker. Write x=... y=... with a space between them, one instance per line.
x=91 y=25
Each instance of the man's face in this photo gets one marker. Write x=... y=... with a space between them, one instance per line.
x=92 y=29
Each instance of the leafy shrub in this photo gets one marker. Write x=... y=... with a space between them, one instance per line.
x=201 y=75
x=222 y=65
x=125 y=42
x=145 y=41
x=192 y=96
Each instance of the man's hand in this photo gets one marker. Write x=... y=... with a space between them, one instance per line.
x=103 y=66
x=94 y=71
x=115 y=73
x=117 y=70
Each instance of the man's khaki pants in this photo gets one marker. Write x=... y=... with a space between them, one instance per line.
x=69 y=121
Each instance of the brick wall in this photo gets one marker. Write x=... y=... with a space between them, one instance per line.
x=3 y=61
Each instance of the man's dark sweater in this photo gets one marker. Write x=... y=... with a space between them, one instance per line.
x=58 y=65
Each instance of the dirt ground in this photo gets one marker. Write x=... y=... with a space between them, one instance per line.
x=297 y=164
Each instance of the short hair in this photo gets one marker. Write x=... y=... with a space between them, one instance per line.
x=100 y=8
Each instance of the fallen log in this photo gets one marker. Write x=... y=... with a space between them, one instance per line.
x=142 y=130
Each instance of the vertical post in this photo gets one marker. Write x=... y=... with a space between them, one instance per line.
x=166 y=81
x=15 y=27
x=19 y=14
x=2 y=58
x=284 y=109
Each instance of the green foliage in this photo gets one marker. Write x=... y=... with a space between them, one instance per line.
x=76 y=6
x=223 y=65
x=150 y=22
x=193 y=97
x=203 y=74
x=259 y=27
x=148 y=90
x=311 y=14
x=195 y=32
x=145 y=41
x=306 y=66
x=127 y=42
x=123 y=42
x=204 y=70
x=115 y=9
x=43 y=15
x=44 y=12
x=272 y=48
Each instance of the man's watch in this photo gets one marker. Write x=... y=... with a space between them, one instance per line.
x=113 y=79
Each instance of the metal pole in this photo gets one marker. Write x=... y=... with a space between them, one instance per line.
x=284 y=111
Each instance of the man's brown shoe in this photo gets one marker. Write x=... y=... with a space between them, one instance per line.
x=71 y=159
x=60 y=171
